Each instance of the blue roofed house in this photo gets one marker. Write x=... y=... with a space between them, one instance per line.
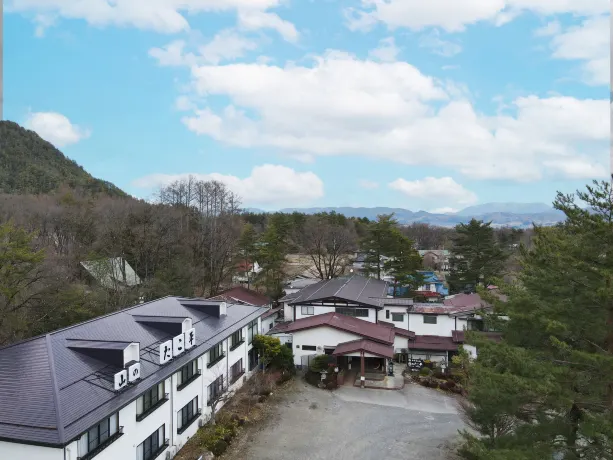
x=432 y=284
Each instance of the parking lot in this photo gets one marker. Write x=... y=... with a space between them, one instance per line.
x=307 y=423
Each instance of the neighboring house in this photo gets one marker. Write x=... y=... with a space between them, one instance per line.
x=112 y=273
x=354 y=295
x=244 y=296
x=271 y=318
x=246 y=272
x=432 y=283
x=299 y=283
x=435 y=259
x=336 y=334
x=134 y=384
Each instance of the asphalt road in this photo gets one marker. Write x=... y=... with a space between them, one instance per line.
x=357 y=424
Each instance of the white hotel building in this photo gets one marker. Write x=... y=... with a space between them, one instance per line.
x=134 y=384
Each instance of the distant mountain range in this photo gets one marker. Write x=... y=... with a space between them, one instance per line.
x=519 y=215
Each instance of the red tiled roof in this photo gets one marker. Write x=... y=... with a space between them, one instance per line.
x=346 y=323
x=465 y=300
x=374 y=348
x=427 y=294
x=433 y=342
x=404 y=333
x=459 y=336
x=244 y=295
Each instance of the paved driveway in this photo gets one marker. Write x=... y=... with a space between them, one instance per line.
x=356 y=424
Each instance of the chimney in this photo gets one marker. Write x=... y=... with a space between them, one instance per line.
x=223 y=309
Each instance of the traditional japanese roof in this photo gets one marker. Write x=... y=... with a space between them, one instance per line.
x=240 y=294
x=367 y=291
x=404 y=333
x=51 y=392
x=433 y=342
x=367 y=346
x=346 y=323
x=438 y=309
x=271 y=312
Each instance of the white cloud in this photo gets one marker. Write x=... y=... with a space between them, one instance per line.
x=549 y=29
x=443 y=191
x=434 y=42
x=578 y=168
x=266 y=185
x=589 y=42
x=392 y=112
x=368 y=184
x=387 y=51
x=227 y=45
x=454 y=15
x=444 y=210
x=164 y=16
x=255 y=20
x=55 y=128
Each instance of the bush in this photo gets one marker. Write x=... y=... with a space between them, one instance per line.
x=320 y=363
x=425 y=371
x=219 y=447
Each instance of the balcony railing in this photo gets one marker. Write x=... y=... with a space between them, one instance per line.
x=103 y=445
x=189 y=380
x=152 y=409
x=189 y=422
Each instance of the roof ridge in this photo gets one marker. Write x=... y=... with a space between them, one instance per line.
x=56 y=393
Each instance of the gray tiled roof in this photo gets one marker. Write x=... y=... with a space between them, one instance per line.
x=50 y=394
x=366 y=290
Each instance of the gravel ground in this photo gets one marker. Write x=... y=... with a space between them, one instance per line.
x=307 y=423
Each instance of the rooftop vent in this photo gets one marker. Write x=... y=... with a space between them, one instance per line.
x=211 y=307
x=173 y=325
x=115 y=353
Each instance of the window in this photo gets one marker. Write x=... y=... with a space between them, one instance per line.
x=187 y=415
x=355 y=312
x=215 y=389
x=253 y=359
x=187 y=374
x=236 y=339
x=216 y=354
x=387 y=314
x=153 y=446
x=309 y=347
x=430 y=319
x=270 y=326
x=237 y=370
x=307 y=310
x=99 y=436
x=398 y=317
x=149 y=400
x=252 y=330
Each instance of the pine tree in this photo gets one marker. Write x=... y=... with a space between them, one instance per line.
x=546 y=391
x=404 y=265
x=271 y=254
x=381 y=241
x=477 y=257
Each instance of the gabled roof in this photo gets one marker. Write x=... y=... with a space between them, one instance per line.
x=367 y=346
x=110 y=272
x=364 y=290
x=240 y=294
x=69 y=391
x=346 y=323
x=433 y=342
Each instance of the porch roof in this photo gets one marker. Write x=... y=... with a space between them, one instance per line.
x=433 y=342
x=374 y=348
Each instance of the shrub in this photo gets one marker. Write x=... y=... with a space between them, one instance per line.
x=218 y=447
x=320 y=363
x=425 y=371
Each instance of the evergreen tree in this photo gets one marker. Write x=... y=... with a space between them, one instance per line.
x=247 y=246
x=546 y=391
x=380 y=242
x=404 y=265
x=271 y=253
x=477 y=259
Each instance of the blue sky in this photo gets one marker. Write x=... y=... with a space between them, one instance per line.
x=433 y=106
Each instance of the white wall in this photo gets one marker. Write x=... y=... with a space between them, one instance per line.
x=471 y=349
x=444 y=326
x=11 y=450
x=434 y=356
x=320 y=310
x=400 y=343
x=321 y=336
x=136 y=432
x=394 y=309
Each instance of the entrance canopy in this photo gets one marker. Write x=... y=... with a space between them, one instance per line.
x=355 y=347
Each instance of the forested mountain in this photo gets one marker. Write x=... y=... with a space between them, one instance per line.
x=29 y=164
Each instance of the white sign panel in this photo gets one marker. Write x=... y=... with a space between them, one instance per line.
x=190 y=338
x=121 y=380
x=166 y=352
x=134 y=372
x=178 y=344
